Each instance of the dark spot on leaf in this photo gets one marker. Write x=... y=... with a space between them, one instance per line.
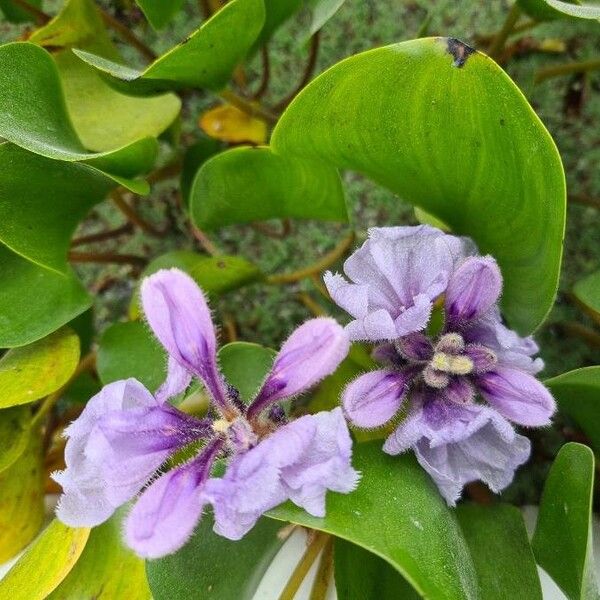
x=222 y=264
x=460 y=51
x=502 y=121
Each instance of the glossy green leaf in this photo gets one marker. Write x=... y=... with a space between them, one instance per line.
x=222 y=569
x=552 y=9
x=397 y=513
x=14 y=434
x=45 y=564
x=277 y=12
x=44 y=126
x=194 y=63
x=41 y=203
x=24 y=318
x=21 y=503
x=500 y=548
x=106 y=569
x=446 y=129
x=245 y=366
x=195 y=156
x=322 y=11
x=587 y=291
x=578 y=395
x=103 y=118
x=562 y=541
x=362 y=575
x=15 y=14
x=159 y=12
x=540 y=10
x=253 y=184
x=31 y=372
x=130 y=350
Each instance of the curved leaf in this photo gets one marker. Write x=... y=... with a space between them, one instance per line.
x=193 y=63
x=541 y=10
x=277 y=12
x=587 y=291
x=159 y=12
x=105 y=569
x=445 y=128
x=222 y=569
x=31 y=372
x=552 y=9
x=500 y=548
x=578 y=395
x=44 y=126
x=397 y=513
x=322 y=11
x=35 y=574
x=254 y=184
x=562 y=541
x=14 y=434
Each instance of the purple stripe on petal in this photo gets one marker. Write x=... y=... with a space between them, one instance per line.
x=473 y=289
x=313 y=351
x=518 y=396
x=374 y=398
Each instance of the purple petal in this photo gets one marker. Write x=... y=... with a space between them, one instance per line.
x=179 y=316
x=375 y=326
x=415 y=317
x=166 y=514
x=415 y=347
x=177 y=381
x=518 y=396
x=313 y=351
x=353 y=298
x=374 y=398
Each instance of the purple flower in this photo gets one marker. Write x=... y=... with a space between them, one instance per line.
x=438 y=380
x=119 y=447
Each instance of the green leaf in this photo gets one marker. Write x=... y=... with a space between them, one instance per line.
x=245 y=366
x=14 y=434
x=45 y=564
x=277 y=12
x=397 y=513
x=23 y=318
x=31 y=372
x=216 y=275
x=44 y=126
x=253 y=184
x=578 y=395
x=159 y=12
x=105 y=569
x=500 y=548
x=361 y=575
x=14 y=14
x=21 y=503
x=103 y=118
x=562 y=541
x=222 y=569
x=322 y=11
x=587 y=291
x=130 y=350
x=41 y=203
x=540 y=10
x=447 y=130
x=195 y=156
x=193 y=63
x=544 y=10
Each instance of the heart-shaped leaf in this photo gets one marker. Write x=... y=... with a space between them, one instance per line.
x=500 y=548
x=130 y=350
x=222 y=569
x=159 y=12
x=562 y=541
x=31 y=372
x=193 y=63
x=253 y=184
x=397 y=513
x=445 y=128
x=105 y=569
x=14 y=434
x=578 y=395
x=35 y=574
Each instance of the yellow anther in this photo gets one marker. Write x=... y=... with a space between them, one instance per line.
x=221 y=425
x=451 y=363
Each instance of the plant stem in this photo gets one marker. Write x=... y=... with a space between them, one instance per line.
x=271 y=232
x=132 y=215
x=567 y=69
x=497 y=44
x=329 y=259
x=324 y=573
x=585 y=200
x=589 y=336
x=87 y=363
x=41 y=18
x=488 y=38
x=248 y=107
x=107 y=257
x=102 y=235
x=302 y=568
x=204 y=241
x=266 y=74
x=315 y=308
x=308 y=71
x=230 y=328
x=126 y=34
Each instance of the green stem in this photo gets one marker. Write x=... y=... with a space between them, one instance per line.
x=567 y=69
x=589 y=336
x=248 y=107
x=497 y=44
x=107 y=257
x=127 y=35
x=324 y=572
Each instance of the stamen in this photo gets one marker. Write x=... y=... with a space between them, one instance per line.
x=452 y=343
x=435 y=379
x=449 y=363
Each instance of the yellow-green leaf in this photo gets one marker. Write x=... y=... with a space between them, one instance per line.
x=14 y=434
x=229 y=124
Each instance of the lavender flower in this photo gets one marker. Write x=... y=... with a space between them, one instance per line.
x=397 y=277
x=118 y=447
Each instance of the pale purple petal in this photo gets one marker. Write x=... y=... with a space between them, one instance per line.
x=353 y=298
x=415 y=317
x=313 y=351
x=374 y=398
x=473 y=289
x=177 y=381
x=375 y=326
x=518 y=396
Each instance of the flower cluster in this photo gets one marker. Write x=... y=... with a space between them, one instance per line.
x=118 y=448
x=397 y=279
